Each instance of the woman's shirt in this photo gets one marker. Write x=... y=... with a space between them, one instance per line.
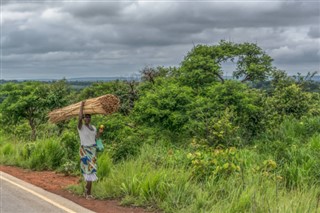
x=87 y=136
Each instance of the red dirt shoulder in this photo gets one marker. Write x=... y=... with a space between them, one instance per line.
x=57 y=183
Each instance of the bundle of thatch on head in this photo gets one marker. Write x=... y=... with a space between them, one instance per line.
x=104 y=105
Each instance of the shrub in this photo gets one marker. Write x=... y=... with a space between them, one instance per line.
x=164 y=106
x=208 y=162
x=128 y=147
x=217 y=130
x=71 y=142
x=47 y=154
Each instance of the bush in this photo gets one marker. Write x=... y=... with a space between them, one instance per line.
x=207 y=163
x=22 y=131
x=71 y=142
x=217 y=130
x=126 y=148
x=289 y=101
x=47 y=154
x=164 y=106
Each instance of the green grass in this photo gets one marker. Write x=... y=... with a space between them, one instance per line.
x=151 y=180
x=279 y=173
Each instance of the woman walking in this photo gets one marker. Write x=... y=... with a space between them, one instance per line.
x=88 y=135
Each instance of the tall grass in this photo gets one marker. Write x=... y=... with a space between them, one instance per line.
x=151 y=179
x=39 y=155
x=279 y=173
x=295 y=148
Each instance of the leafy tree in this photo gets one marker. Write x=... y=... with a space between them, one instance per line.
x=200 y=68
x=31 y=101
x=23 y=101
x=59 y=94
x=203 y=64
x=151 y=73
x=280 y=79
x=253 y=63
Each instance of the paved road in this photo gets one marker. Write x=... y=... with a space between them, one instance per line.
x=17 y=196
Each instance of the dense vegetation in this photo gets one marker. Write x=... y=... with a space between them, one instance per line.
x=185 y=139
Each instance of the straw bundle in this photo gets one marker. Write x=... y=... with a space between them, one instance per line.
x=104 y=105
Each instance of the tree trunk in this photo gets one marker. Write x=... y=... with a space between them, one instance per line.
x=33 y=129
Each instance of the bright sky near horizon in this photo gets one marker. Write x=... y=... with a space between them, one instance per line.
x=57 y=39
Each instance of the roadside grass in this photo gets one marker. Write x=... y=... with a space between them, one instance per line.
x=151 y=180
x=43 y=154
x=278 y=173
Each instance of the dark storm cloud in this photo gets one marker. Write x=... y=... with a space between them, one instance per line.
x=85 y=10
x=66 y=39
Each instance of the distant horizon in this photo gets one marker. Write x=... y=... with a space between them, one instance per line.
x=100 y=78
x=77 y=78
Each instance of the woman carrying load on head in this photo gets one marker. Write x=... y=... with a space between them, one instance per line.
x=88 y=135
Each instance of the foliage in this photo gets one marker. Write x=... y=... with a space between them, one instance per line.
x=127 y=147
x=290 y=145
x=289 y=101
x=47 y=154
x=149 y=74
x=215 y=130
x=231 y=102
x=27 y=150
x=164 y=106
x=104 y=165
x=70 y=142
x=202 y=66
x=23 y=101
x=30 y=101
x=169 y=188
x=207 y=162
x=268 y=170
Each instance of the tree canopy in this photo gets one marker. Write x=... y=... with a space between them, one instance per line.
x=203 y=64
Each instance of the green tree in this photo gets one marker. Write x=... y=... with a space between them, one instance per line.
x=151 y=73
x=23 y=101
x=59 y=94
x=253 y=63
x=203 y=64
x=31 y=101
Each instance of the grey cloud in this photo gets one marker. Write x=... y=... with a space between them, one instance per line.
x=118 y=38
x=314 y=32
x=228 y=15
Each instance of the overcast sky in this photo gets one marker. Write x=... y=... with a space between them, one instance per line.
x=57 y=39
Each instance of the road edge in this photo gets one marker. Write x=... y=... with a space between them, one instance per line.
x=54 y=199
